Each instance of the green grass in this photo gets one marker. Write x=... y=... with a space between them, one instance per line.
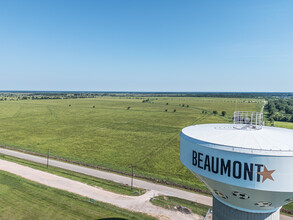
x=24 y=199
x=111 y=136
x=283 y=124
x=288 y=209
x=169 y=202
x=105 y=184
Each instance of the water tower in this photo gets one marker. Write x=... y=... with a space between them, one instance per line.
x=247 y=166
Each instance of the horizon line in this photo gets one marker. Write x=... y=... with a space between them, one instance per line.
x=109 y=91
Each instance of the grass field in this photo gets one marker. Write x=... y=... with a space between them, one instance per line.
x=24 y=199
x=283 y=124
x=101 y=131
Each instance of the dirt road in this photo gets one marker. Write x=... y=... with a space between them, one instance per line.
x=133 y=203
x=165 y=190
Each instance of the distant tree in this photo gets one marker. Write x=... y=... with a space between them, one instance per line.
x=272 y=121
x=128 y=107
x=166 y=110
x=167 y=103
x=224 y=113
x=69 y=105
x=94 y=106
x=187 y=106
x=174 y=110
x=215 y=112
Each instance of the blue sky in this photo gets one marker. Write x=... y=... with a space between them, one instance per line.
x=146 y=45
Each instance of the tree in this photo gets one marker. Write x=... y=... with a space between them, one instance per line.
x=167 y=103
x=187 y=106
x=174 y=110
x=215 y=112
x=166 y=110
x=224 y=113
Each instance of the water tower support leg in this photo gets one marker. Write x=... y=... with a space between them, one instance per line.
x=224 y=212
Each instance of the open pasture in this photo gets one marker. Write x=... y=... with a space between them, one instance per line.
x=115 y=132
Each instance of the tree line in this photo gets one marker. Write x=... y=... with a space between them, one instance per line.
x=280 y=110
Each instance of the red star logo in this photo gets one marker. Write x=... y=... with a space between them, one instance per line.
x=266 y=174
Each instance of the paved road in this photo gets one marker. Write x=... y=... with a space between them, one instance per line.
x=165 y=190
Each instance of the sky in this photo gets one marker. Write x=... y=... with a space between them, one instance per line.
x=147 y=45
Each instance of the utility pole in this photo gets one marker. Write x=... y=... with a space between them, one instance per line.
x=132 y=167
x=48 y=155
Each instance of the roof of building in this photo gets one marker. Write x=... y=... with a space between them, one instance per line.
x=268 y=140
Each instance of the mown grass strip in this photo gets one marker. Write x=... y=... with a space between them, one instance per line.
x=105 y=184
x=25 y=199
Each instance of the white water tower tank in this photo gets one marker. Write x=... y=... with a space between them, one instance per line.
x=246 y=166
